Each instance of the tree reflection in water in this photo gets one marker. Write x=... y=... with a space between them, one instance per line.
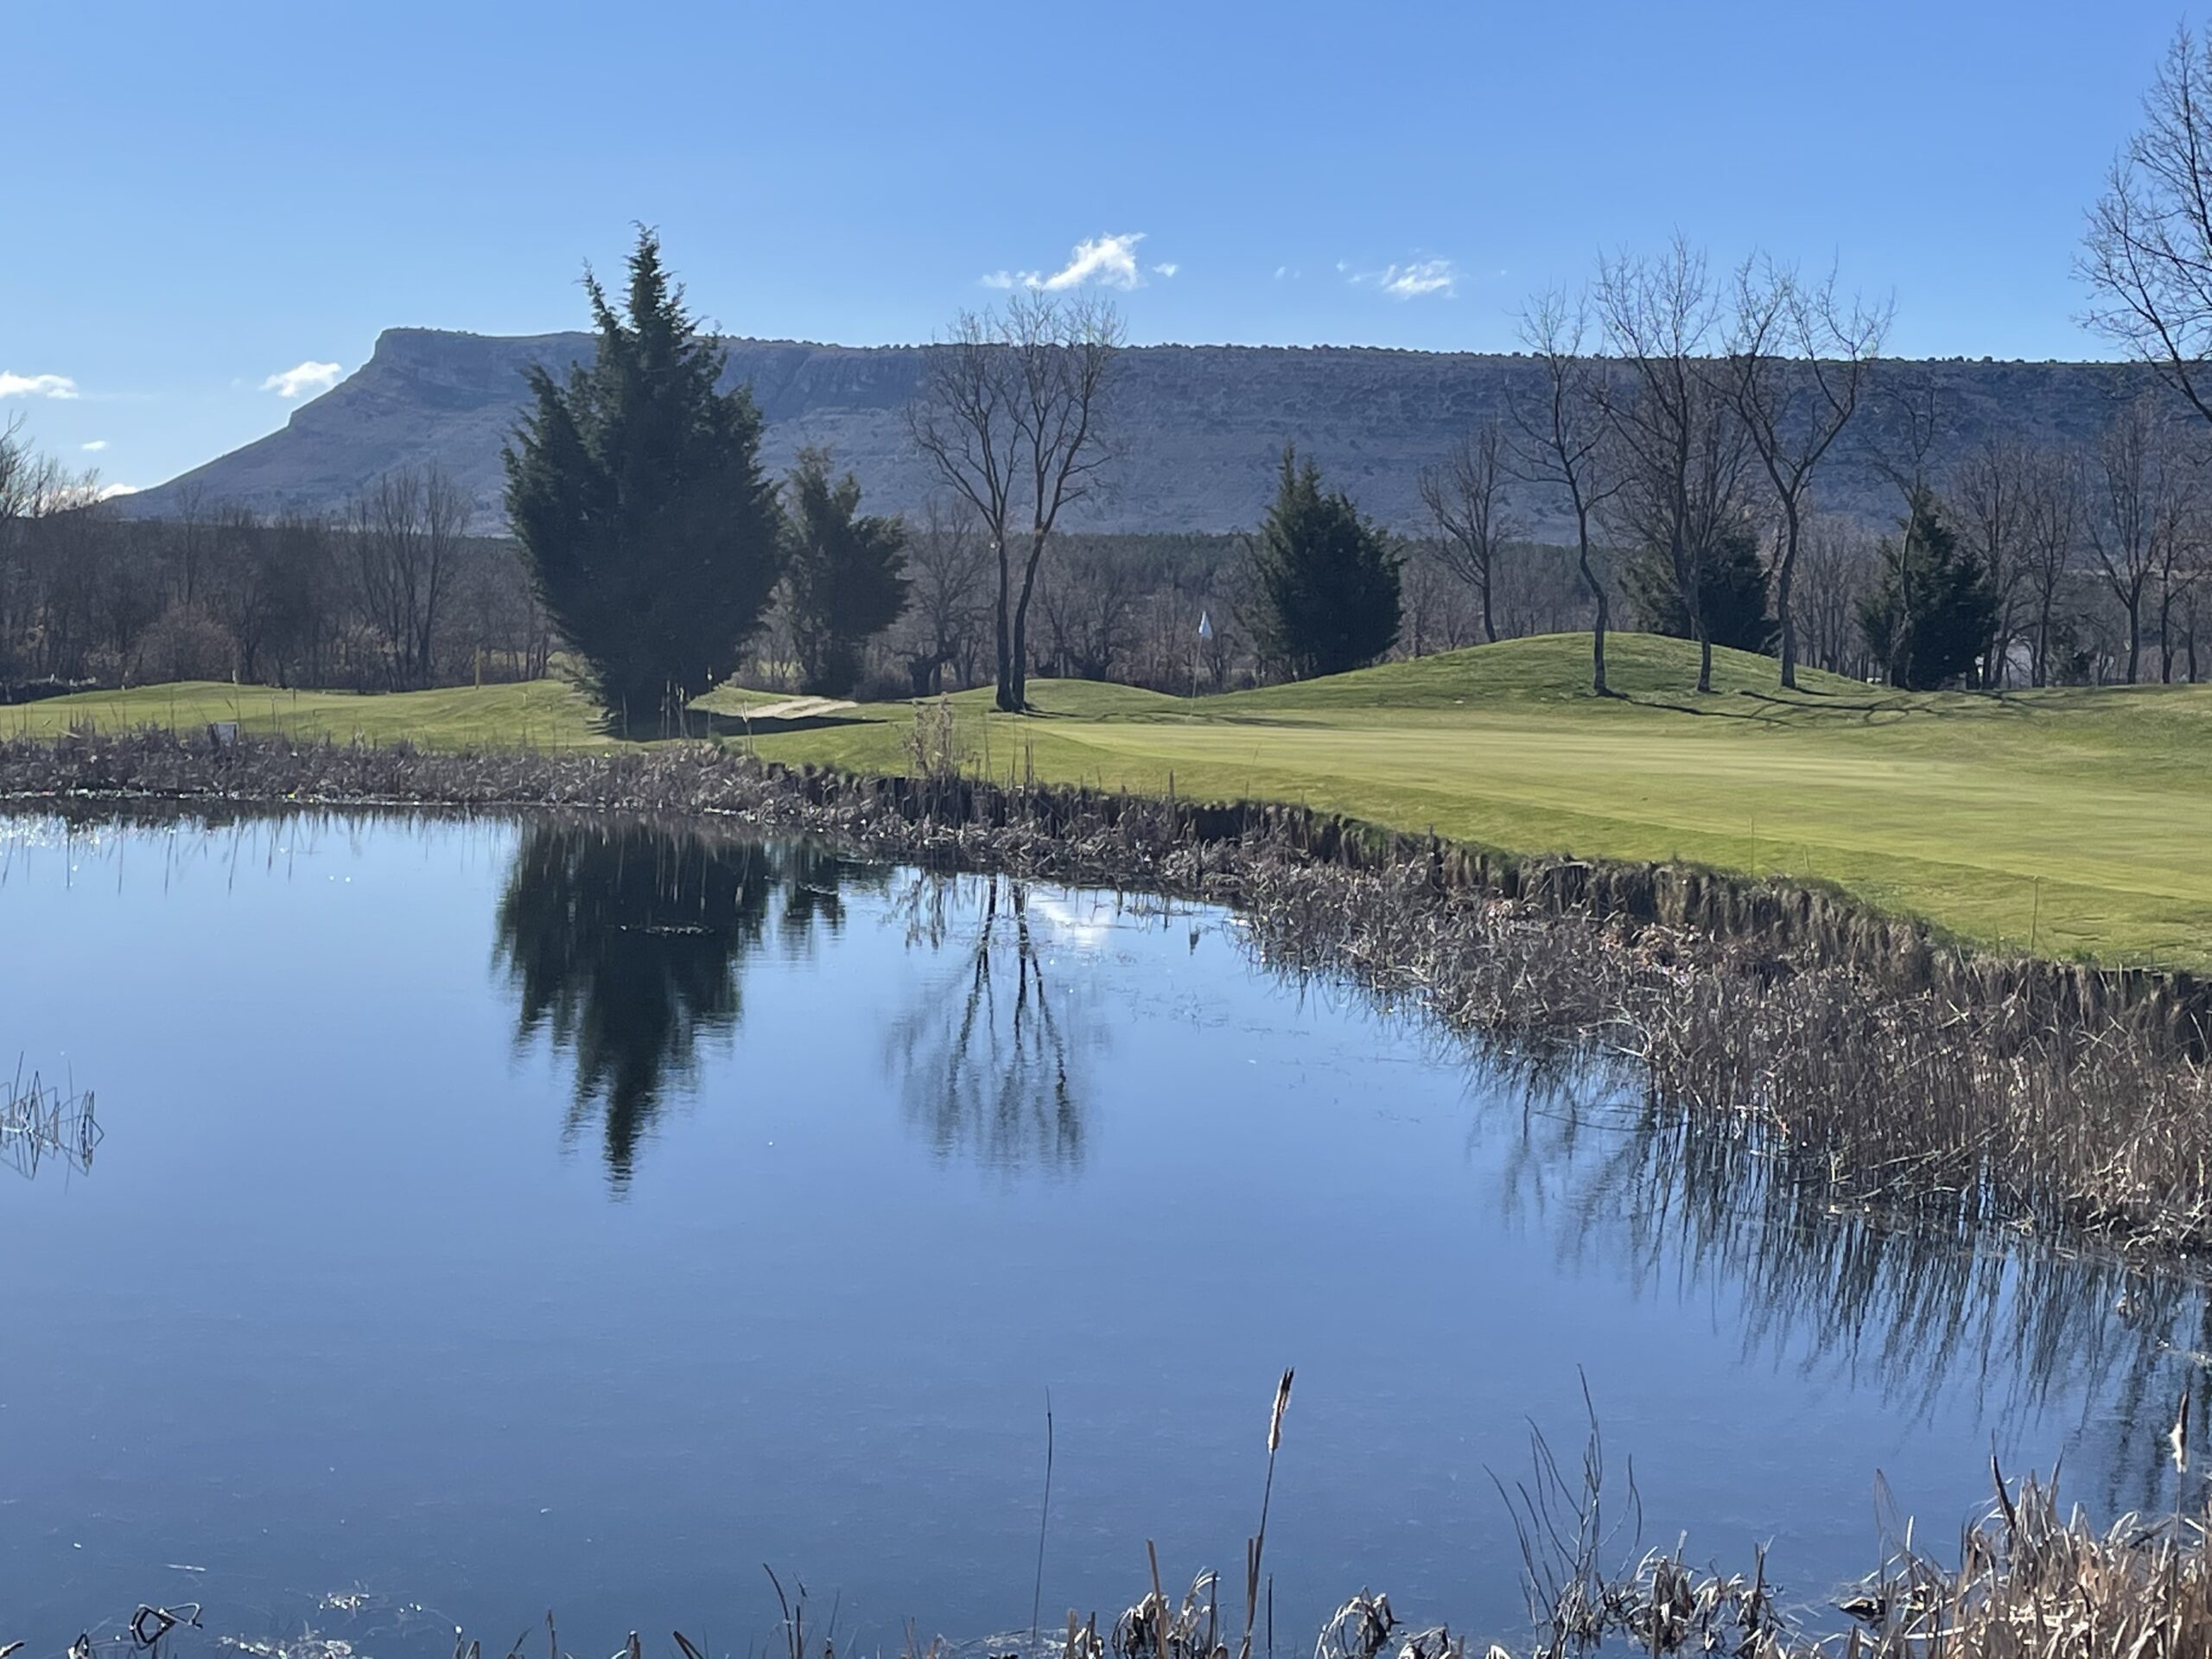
x=1919 y=1304
x=624 y=940
x=989 y=1062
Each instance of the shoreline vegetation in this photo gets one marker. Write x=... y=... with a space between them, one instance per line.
x=1851 y=1063
x=1862 y=1057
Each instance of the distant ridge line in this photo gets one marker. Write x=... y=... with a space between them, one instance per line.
x=1200 y=425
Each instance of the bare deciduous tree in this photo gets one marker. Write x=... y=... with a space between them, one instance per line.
x=2147 y=256
x=191 y=531
x=51 y=571
x=2052 y=537
x=1680 y=446
x=16 y=464
x=1798 y=361
x=949 y=567
x=2181 y=563
x=2141 y=504
x=1560 y=439
x=1466 y=498
x=1993 y=501
x=1837 y=568
x=406 y=532
x=1012 y=419
x=1090 y=599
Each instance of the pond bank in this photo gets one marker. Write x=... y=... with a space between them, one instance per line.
x=1864 y=1054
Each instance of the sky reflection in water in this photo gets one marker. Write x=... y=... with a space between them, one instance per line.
x=494 y=1217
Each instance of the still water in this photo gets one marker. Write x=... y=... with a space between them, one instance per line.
x=492 y=1216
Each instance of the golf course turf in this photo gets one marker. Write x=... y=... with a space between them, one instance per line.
x=2082 y=818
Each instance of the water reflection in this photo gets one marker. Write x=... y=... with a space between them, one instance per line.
x=1699 y=1208
x=989 y=1055
x=503 y=1434
x=624 y=941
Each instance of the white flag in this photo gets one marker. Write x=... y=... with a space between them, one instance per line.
x=1205 y=626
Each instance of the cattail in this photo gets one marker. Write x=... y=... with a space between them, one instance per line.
x=1275 y=1419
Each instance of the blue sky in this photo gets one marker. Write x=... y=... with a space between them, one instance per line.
x=203 y=197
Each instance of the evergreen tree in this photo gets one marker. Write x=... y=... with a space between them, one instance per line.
x=844 y=575
x=1328 y=579
x=635 y=488
x=1933 y=610
x=1732 y=585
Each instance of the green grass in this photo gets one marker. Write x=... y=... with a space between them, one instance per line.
x=543 y=712
x=2090 y=811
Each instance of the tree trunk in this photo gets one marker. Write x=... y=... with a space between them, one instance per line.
x=1489 y=627
x=1018 y=668
x=1597 y=596
x=2134 y=637
x=1783 y=579
x=1693 y=590
x=1009 y=692
x=1698 y=629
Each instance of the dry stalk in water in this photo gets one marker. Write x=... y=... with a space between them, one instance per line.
x=1255 y=1546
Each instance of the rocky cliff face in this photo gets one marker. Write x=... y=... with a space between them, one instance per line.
x=1198 y=427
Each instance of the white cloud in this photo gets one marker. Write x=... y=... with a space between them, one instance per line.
x=36 y=385
x=109 y=492
x=305 y=377
x=1166 y=268
x=1423 y=276
x=94 y=447
x=1109 y=261
x=1416 y=279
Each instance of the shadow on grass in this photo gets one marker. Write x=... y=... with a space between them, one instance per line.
x=720 y=725
x=1768 y=708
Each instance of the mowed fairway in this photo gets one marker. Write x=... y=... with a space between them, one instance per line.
x=2083 y=814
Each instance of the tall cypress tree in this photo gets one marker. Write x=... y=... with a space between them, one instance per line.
x=1733 y=592
x=635 y=488
x=1934 y=608
x=844 y=578
x=1328 y=579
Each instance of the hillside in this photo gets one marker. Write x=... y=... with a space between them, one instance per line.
x=1199 y=426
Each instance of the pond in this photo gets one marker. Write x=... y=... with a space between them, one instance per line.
x=488 y=1217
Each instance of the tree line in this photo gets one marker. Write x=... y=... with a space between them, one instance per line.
x=391 y=594
x=2095 y=559
x=1679 y=421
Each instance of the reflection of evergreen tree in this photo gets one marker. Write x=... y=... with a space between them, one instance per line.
x=623 y=942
